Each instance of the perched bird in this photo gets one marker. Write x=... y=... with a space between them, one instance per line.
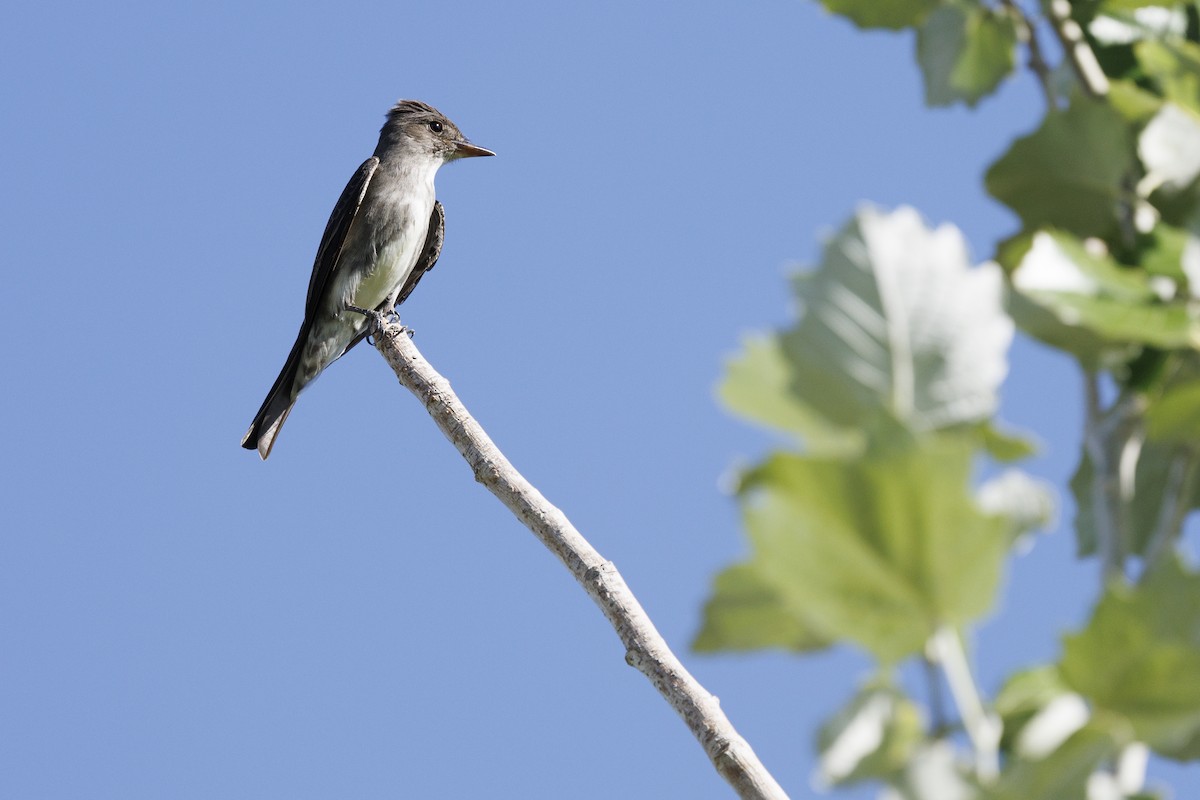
x=384 y=234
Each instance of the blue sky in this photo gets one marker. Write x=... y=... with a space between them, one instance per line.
x=356 y=617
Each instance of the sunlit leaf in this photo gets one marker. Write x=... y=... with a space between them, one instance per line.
x=896 y=324
x=1125 y=22
x=1169 y=147
x=881 y=550
x=1091 y=292
x=747 y=613
x=758 y=385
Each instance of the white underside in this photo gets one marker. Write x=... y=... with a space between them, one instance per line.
x=392 y=261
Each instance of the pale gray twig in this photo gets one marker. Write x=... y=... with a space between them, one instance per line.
x=645 y=648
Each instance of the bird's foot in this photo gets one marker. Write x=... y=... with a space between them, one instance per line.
x=378 y=320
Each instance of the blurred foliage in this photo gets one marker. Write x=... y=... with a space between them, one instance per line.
x=871 y=526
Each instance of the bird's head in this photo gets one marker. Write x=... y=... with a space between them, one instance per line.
x=415 y=126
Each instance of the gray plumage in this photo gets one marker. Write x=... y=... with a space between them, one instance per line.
x=384 y=233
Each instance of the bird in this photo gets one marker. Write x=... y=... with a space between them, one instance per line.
x=384 y=234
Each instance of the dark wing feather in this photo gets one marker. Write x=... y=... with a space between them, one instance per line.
x=335 y=234
x=275 y=408
x=429 y=253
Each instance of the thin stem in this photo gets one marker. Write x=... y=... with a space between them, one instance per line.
x=1127 y=466
x=983 y=729
x=1027 y=33
x=937 y=703
x=1097 y=429
x=645 y=648
x=1181 y=475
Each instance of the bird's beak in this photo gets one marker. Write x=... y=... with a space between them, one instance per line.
x=464 y=149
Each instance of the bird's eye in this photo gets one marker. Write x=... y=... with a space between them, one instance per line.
x=435 y=126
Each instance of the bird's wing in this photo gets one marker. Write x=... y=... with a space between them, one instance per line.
x=336 y=231
x=429 y=253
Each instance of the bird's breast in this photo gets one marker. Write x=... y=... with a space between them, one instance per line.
x=394 y=233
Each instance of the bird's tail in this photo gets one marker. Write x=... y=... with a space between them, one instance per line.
x=277 y=406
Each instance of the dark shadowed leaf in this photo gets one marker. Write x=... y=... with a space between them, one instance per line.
x=1069 y=172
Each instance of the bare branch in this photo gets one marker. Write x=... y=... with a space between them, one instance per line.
x=645 y=648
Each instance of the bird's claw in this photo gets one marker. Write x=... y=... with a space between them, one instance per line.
x=378 y=320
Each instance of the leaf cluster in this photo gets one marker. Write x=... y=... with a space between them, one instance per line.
x=868 y=528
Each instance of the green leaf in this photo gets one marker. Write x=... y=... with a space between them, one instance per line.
x=1007 y=446
x=892 y=14
x=1126 y=21
x=1061 y=775
x=882 y=550
x=1174 y=68
x=873 y=737
x=965 y=51
x=758 y=386
x=1175 y=417
x=1163 y=253
x=1069 y=173
x=1139 y=658
x=1092 y=292
x=1131 y=5
x=1133 y=102
x=746 y=613
x=1023 y=696
x=896 y=325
